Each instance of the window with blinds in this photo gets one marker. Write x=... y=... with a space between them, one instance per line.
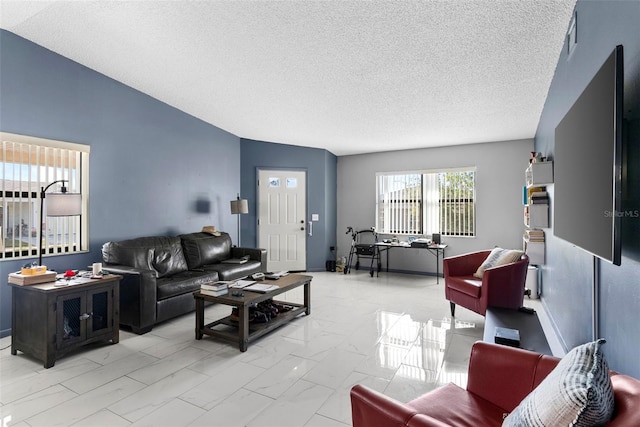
x=426 y=202
x=30 y=164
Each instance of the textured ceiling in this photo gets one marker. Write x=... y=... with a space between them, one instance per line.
x=348 y=76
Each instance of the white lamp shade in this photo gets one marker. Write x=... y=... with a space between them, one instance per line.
x=63 y=204
x=240 y=206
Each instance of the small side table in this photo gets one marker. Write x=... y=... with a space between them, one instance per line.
x=49 y=320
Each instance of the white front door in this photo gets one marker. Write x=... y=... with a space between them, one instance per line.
x=282 y=227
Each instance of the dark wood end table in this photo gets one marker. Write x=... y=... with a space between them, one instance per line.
x=51 y=319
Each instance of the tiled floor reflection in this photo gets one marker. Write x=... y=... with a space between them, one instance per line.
x=392 y=333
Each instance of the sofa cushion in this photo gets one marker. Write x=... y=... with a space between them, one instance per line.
x=137 y=257
x=455 y=406
x=498 y=256
x=162 y=254
x=203 y=248
x=182 y=283
x=578 y=392
x=466 y=284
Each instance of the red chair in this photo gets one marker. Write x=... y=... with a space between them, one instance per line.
x=501 y=286
x=500 y=377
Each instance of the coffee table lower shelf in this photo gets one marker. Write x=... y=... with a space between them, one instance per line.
x=256 y=330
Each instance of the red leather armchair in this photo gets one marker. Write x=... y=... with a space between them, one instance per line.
x=500 y=377
x=501 y=286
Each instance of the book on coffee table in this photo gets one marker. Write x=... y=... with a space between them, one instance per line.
x=261 y=288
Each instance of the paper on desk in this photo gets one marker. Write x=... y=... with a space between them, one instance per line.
x=262 y=288
x=239 y=284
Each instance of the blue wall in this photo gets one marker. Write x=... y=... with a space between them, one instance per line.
x=566 y=278
x=155 y=170
x=320 y=166
x=150 y=163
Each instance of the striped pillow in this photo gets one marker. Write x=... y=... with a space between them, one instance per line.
x=498 y=256
x=577 y=392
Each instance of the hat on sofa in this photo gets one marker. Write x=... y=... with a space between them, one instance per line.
x=211 y=230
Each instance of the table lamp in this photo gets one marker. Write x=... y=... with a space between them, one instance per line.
x=239 y=206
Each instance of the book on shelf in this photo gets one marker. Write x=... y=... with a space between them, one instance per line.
x=214 y=293
x=539 y=200
x=31 y=279
x=539 y=194
x=534 y=235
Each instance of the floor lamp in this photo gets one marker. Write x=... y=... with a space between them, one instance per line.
x=58 y=204
x=239 y=206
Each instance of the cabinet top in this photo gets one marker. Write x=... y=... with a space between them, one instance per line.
x=75 y=283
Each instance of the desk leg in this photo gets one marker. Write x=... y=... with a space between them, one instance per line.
x=387 y=251
x=437 y=266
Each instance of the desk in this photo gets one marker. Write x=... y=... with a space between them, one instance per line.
x=435 y=250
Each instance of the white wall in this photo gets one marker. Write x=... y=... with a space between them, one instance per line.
x=499 y=180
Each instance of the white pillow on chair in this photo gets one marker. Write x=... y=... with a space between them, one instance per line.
x=498 y=256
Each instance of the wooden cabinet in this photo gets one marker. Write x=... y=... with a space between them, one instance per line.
x=49 y=320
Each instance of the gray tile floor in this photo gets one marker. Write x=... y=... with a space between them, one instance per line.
x=393 y=333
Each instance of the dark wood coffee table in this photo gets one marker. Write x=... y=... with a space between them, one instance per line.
x=242 y=331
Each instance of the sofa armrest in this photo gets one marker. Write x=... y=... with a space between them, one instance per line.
x=627 y=397
x=256 y=254
x=138 y=296
x=371 y=408
x=465 y=264
x=505 y=375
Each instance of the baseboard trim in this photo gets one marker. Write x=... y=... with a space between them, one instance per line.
x=557 y=345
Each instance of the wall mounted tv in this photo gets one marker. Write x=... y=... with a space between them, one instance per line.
x=587 y=165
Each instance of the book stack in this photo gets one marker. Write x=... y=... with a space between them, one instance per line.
x=214 y=289
x=32 y=279
x=538 y=197
x=534 y=235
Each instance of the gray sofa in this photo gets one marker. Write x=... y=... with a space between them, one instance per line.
x=161 y=273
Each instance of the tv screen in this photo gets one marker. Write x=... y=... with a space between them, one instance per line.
x=587 y=165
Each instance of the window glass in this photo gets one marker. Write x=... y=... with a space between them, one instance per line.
x=426 y=202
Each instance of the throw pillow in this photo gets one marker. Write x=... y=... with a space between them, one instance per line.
x=577 y=392
x=169 y=260
x=498 y=256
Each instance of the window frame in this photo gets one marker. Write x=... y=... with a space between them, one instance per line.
x=427 y=224
x=28 y=193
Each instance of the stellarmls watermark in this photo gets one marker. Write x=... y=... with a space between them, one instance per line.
x=622 y=214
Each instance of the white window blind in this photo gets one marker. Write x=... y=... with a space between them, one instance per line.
x=426 y=202
x=28 y=165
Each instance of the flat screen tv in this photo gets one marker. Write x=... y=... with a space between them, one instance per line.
x=588 y=163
